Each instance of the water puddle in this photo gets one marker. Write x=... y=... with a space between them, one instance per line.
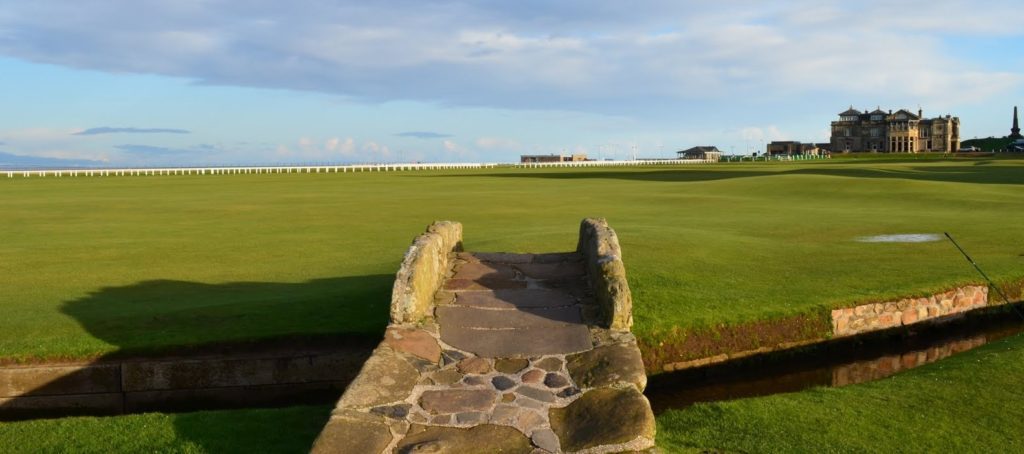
x=901 y=238
x=839 y=363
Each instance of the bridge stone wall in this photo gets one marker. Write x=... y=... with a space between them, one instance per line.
x=599 y=245
x=423 y=269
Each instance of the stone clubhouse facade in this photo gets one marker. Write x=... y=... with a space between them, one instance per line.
x=902 y=131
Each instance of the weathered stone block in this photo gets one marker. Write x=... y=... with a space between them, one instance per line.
x=385 y=378
x=451 y=440
x=587 y=422
x=458 y=400
x=353 y=432
x=422 y=271
x=510 y=365
x=414 y=342
x=599 y=245
x=608 y=365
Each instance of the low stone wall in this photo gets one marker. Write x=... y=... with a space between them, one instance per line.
x=184 y=383
x=907 y=311
x=607 y=274
x=791 y=333
x=423 y=270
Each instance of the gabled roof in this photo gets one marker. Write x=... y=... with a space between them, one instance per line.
x=911 y=115
x=850 y=111
x=701 y=149
x=878 y=111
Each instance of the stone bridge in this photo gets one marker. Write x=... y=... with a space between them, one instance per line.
x=496 y=352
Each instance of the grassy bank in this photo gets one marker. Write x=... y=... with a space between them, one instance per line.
x=967 y=403
x=285 y=430
x=94 y=266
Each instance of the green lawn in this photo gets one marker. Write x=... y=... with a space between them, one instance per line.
x=971 y=402
x=93 y=266
x=285 y=430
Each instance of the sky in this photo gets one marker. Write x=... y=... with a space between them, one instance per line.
x=208 y=82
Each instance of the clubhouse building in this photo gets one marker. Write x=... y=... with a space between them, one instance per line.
x=902 y=131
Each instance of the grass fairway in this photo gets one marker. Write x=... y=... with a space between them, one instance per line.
x=284 y=430
x=93 y=266
x=971 y=402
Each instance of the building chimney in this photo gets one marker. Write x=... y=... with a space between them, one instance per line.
x=920 y=113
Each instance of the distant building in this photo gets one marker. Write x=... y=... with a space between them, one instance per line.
x=1016 y=146
x=792 y=148
x=552 y=158
x=900 y=132
x=702 y=152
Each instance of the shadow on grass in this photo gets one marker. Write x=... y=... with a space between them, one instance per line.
x=303 y=341
x=162 y=316
x=980 y=172
x=285 y=430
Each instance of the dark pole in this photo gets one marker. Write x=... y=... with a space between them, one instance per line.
x=990 y=283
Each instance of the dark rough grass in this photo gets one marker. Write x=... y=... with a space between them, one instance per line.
x=971 y=402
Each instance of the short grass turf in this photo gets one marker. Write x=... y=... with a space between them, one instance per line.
x=971 y=402
x=101 y=265
x=283 y=430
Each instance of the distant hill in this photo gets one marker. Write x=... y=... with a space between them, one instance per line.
x=987 y=144
x=14 y=161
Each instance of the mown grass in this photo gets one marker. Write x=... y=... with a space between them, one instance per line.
x=966 y=403
x=93 y=266
x=284 y=430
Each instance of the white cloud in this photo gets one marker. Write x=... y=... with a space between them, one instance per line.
x=583 y=55
x=766 y=134
x=496 y=143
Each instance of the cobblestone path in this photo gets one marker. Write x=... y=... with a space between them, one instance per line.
x=512 y=361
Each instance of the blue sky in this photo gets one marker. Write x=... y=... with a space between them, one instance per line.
x=218 y=82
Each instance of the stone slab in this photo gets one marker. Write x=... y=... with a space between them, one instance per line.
x=450 y=440
x=483 y=284
x=384 y=379
x=514 y=299
x=519 y=343
x=355 y=433
x=502 y=257
x=604 y=416
x=472 y=317
x=457 y=400
x=553 y=271
x=56 y=380
x=557 y=257
x=608 y=366
x=414 y=342
x=480 y=270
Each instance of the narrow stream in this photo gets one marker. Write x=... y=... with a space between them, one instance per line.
x=836 y=363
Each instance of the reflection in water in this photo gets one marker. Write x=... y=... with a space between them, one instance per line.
x=842 y=363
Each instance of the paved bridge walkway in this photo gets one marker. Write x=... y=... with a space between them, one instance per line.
x=511 y=357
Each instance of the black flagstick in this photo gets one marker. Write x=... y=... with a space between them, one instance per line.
x=990 y=283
